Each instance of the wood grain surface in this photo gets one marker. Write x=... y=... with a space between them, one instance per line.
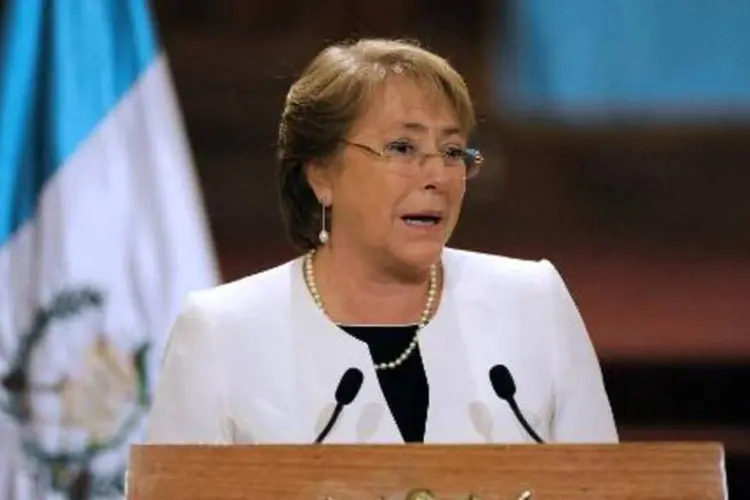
x=692 y=471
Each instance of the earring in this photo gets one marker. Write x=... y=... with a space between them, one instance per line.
x=323 y=234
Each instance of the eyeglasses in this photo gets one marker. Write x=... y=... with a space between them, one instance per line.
x=406 y=158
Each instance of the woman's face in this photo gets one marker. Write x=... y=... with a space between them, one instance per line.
x=387 y=199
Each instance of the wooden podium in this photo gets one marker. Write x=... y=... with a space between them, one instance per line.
x=456 y=472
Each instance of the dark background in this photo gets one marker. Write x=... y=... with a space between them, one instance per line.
x=647 y=222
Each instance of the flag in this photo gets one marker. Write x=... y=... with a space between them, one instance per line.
x=102 y=235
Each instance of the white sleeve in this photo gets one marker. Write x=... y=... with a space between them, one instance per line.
x=189 y=403
x=582 y=410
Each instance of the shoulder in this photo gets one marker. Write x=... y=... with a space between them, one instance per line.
x=265 y=285
x=243 y=301
x=532 y=289
x=484 y=270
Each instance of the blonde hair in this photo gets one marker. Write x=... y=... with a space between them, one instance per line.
x=326 y=100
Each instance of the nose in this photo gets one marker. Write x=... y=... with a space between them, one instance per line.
x=434 y=170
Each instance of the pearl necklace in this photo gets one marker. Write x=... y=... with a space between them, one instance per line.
x=426 y=314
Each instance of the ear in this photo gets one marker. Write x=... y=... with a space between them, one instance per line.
x=319 y=177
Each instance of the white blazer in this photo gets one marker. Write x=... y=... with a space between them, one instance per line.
x=256 y=361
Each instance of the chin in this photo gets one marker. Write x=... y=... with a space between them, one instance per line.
x=419 y=256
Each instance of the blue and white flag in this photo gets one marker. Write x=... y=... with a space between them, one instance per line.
x=102 y=235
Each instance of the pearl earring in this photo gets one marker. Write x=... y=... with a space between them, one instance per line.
x=323 y=234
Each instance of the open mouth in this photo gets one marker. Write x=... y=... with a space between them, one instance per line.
x=421 y=220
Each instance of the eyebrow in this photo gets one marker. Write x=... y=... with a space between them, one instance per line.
x=418 y=127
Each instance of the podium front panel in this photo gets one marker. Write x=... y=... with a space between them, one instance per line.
x=655 y=471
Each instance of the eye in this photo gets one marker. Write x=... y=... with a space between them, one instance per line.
x=400 y=148
x=454 y=153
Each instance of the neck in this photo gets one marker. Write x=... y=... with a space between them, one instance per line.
x=355 y=291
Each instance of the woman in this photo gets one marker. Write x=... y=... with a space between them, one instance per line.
x=373 y=170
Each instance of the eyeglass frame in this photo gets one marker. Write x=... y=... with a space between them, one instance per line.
x=474 y=154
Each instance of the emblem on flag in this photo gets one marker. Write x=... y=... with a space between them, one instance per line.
x=75 y=424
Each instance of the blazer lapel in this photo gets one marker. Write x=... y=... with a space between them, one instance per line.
x=486 y=337
x=460 y=346
x=448 y=367
x=322 y=354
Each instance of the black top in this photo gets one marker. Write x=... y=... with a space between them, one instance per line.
x=405 y=387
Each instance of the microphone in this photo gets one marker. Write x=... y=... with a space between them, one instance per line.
x=347 y=390
x=505 y=388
